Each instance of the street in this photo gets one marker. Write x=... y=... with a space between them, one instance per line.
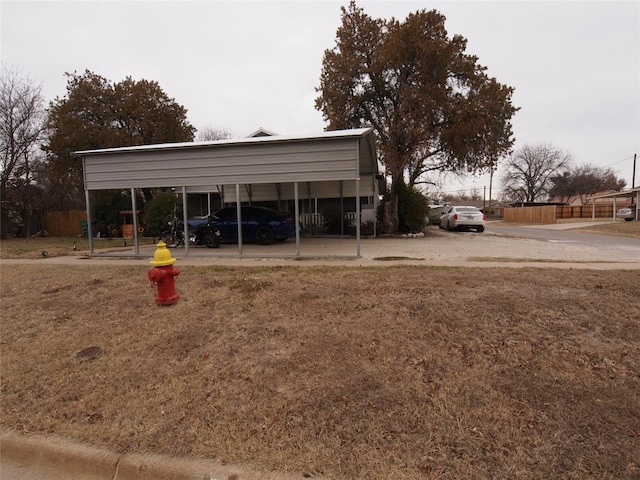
x=563 y=233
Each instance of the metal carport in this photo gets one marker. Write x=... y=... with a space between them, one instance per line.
x=337 y=161
x=633 y=192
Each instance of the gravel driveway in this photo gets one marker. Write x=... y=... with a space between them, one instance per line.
x=436 y=248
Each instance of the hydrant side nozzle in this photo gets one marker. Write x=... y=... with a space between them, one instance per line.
x=156 y=275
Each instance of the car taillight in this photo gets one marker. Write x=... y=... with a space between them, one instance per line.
x=455 y=216
x=484 y=216
x=288 y=220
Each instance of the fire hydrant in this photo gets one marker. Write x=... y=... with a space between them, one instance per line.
x=163 y=275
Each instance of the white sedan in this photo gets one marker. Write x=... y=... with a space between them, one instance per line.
x=627 y=213
x=463 y=217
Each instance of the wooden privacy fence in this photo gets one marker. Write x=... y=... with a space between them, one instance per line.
x=548 y=214
x=544 y=214
x=65 y=224
x=584 y=211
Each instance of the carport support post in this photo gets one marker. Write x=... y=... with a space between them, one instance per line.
x=358 y=212
x=135 y=221
x=239 y=217
x=185 y=217
x=342 y=209
x=89 y=233
x=296 y=211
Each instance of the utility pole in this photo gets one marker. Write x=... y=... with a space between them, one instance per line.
x=633 y=178
x=484 y=199
x=490 y=185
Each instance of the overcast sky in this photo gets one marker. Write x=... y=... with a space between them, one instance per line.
x=241 y=65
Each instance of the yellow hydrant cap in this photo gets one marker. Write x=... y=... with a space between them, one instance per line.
x=162 y=257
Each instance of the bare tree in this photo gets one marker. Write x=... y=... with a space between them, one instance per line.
x=474 y=194
x=22 y=127
x=210 y=134
x=529 y=172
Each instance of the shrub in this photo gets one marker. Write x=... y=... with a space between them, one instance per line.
x=335 y=222
x=159 y=211
x=413 y=209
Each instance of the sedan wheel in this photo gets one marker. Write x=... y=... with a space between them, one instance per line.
x=265 y=235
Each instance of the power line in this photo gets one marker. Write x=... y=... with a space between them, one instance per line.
x=620 y=161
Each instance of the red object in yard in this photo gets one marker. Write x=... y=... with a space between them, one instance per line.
x=163 y=276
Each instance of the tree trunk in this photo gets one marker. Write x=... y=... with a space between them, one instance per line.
x=391 y=219
x=4 y=219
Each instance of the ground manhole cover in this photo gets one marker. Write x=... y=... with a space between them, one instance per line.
x=88 y=353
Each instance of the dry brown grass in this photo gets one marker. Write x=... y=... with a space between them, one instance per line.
x=352 y=373
x=62 y=246
x=619 y=228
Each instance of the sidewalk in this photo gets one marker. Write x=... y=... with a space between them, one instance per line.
x=49 y=458
x=569 y=225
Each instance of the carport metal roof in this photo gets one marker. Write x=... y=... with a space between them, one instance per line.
x=329 y=164
x=202 y=166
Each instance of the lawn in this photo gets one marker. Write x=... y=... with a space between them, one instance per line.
x=345 y=372
x=620 y=228
x=63 y=246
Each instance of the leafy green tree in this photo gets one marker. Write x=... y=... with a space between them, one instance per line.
x=585 y=180
x=431 y=106
x=98 y=113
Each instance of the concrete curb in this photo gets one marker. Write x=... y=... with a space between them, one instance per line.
x=53 y=458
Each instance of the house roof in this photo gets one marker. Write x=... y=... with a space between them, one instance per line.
x=262 y=132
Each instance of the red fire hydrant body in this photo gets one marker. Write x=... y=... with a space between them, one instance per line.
x=163 y=276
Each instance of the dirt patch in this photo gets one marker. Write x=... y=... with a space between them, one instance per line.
x=349 y=372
